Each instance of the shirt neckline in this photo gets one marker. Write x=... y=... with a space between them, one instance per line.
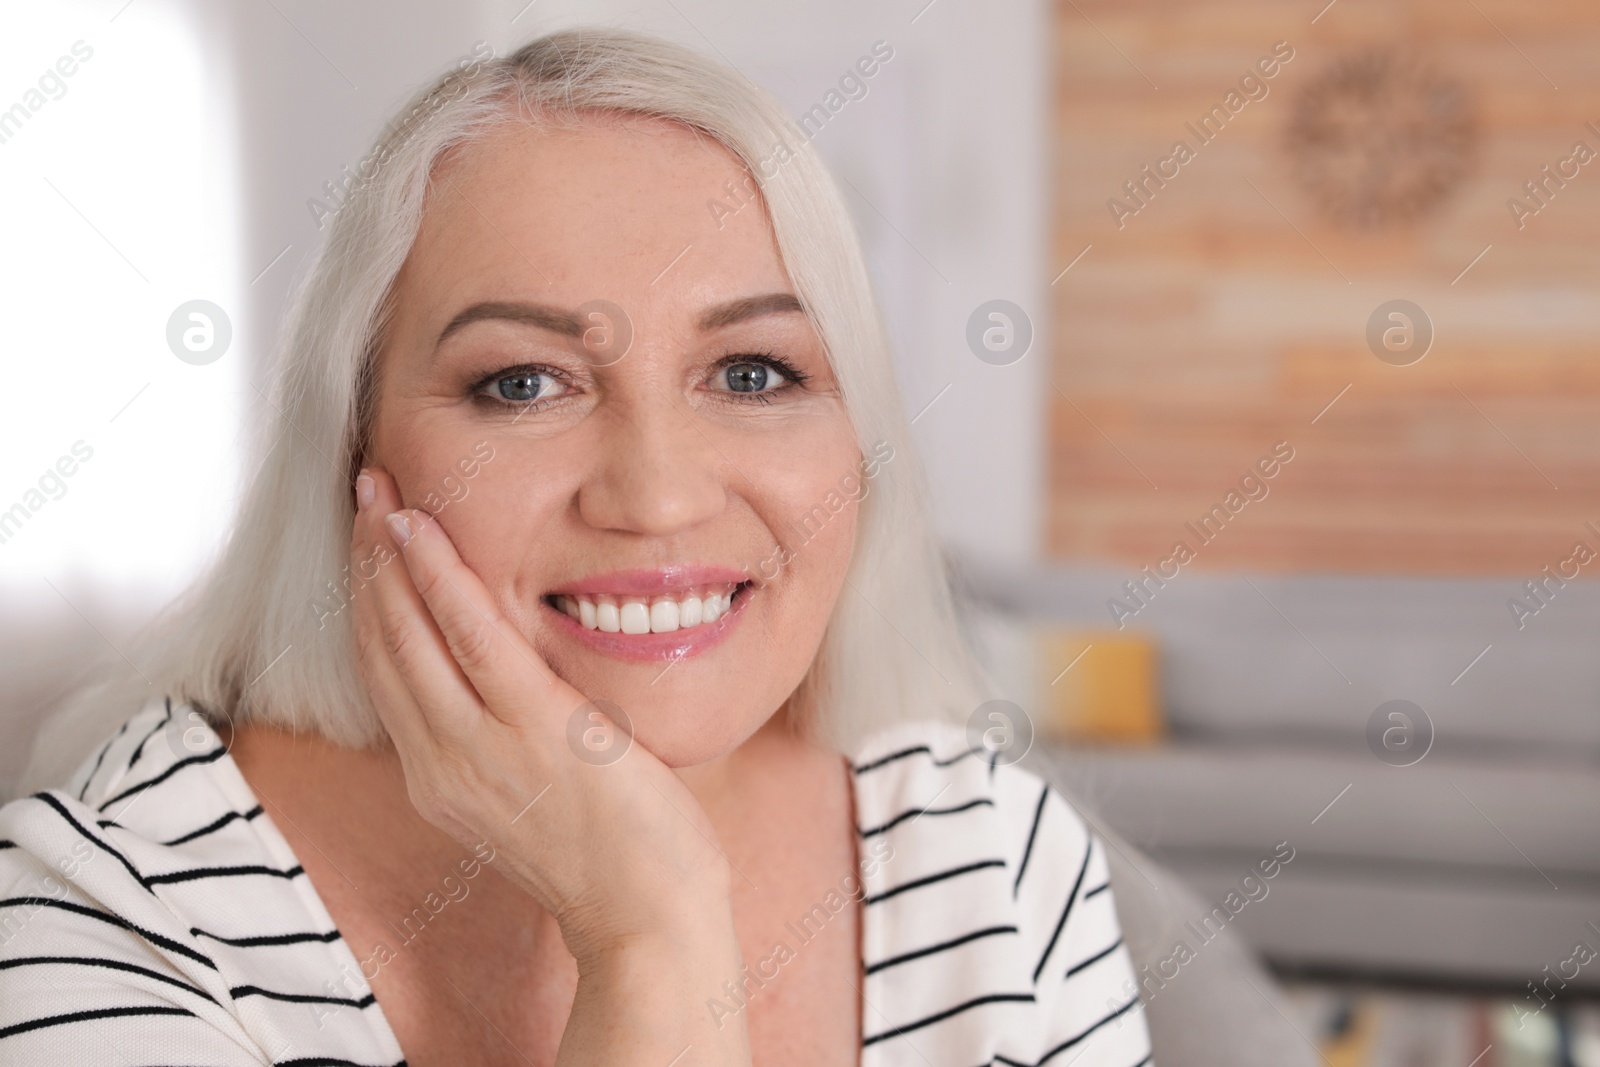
x=236 y=785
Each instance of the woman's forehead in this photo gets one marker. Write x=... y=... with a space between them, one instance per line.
x=626 y=209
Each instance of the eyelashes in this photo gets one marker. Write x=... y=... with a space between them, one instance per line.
x=488 y=390
x=793 y=376
x=531 y=377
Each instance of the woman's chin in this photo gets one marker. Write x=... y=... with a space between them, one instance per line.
x=680 y=735
x=685 y=713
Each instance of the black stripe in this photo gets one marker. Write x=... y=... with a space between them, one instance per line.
x=1027 y=852
x=914 y=812
x=324 y=1061
x=992 y=998
x=215 y=826
x=205 y=757
x=101 y=758
x=86 y=1016
x=113 y=920
x=268 y=939
x=301 y=998
x=115 y=965
x=1096 y=958
x=162 y=725
x=1101 y=888
x=941 y=947
x=863 y=768
x=201 y=873
x=930 y=879
x=1069 y=1042
x=1088 y=851
x=78 y=826
x=8 y=844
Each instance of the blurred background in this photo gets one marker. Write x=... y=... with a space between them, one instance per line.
x=1253 y=350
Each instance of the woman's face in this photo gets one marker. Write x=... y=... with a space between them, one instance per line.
x=634 y=462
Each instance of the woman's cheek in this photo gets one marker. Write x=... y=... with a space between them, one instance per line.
x=811 y=505
x=494 y=518
x=824 y=547
x=842 y=541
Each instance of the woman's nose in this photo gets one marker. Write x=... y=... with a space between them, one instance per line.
x=657 y=472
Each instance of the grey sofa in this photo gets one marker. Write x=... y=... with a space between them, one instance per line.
x=1476 y=867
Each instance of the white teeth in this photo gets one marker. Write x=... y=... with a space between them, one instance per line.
x=635 y=615
x=663 y=616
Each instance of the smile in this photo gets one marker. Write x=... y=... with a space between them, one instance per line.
x=612 y=614
x=652 y=614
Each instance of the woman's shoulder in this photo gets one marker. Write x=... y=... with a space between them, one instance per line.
x=150 y=884
x=107 y=792
x=988 y=907
x=147 y=796
x=148 y=748
x=953 y=773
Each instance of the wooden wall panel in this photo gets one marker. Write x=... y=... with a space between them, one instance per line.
x=1231 y=309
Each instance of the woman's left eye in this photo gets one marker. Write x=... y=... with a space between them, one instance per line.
x=750 y=378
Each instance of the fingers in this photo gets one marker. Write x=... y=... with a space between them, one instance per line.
x=415 y=684
x=499 y=663
x=445 y=633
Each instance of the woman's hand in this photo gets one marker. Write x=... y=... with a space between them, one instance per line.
x=621 y=854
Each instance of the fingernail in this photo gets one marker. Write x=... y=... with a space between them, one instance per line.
x=366 y=491
x=399 y=529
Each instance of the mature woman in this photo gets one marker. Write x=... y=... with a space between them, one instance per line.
x=577 y=685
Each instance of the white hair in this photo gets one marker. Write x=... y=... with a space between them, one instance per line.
x=255 y=638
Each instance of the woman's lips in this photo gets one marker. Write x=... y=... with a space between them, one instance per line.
x=649 y=582
x=677 y=643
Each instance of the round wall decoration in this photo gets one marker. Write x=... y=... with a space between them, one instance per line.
x=1378 y=138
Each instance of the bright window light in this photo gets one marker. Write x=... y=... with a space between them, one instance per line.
x=117 y=169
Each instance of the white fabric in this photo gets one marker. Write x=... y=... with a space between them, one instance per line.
x=151 y=912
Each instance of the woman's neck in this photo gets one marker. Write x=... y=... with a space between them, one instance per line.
x=338 y=801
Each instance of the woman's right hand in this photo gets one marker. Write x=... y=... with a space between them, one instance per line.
x=621 y=855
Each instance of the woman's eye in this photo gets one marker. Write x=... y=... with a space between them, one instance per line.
x=751 y=377
x=523 y=387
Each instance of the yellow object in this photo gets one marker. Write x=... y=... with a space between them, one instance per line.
x=1354 y=1045
x=1100 y=686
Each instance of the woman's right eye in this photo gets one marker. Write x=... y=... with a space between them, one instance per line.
x=522 y=387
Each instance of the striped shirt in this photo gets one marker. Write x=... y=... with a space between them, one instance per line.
x=150 y=912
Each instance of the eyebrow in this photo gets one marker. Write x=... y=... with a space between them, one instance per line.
x=750 y=307
x=559 y=320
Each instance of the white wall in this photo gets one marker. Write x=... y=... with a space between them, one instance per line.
x=187 y=167
x=118 y=460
